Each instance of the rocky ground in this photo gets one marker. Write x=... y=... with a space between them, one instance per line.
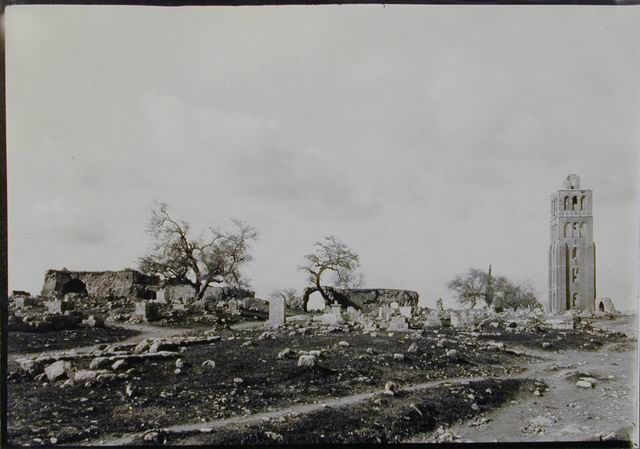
x=31 y=342
x=241 y=384
x=591 y=397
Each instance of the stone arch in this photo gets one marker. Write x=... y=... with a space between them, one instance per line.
x=567 y=230
x=574 y=231
x=74 y=286
x=566 y=203
x=582 y=201
x=574 y=203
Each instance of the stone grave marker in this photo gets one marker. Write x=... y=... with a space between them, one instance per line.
x=55 y=306
x=147 y=310
x=276 y=312
x=398 y=324
x=384 y=313
x=406 y=311
x=233 y=307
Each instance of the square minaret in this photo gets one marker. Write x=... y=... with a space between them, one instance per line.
x=572 y=253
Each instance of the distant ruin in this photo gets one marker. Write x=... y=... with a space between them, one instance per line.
x=124 y=283
x=367 y=299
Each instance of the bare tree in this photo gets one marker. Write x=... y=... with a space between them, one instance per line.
x=214 y=257
x=470 y=287
x=330 y=256
x=516 y=295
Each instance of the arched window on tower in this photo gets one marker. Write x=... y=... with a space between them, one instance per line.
x=574 y=203
x=567 y=230
x=583 y=230
x=574 y=303
x=566 y=203
x=574 y=232
x=582 y=202
x=574 y=252
x=574 y=274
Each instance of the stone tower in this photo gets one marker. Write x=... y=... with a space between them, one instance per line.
x=572 y=254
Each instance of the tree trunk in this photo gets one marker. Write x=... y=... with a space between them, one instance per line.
x=200 y=292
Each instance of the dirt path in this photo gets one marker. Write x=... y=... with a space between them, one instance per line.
x=146 y=331
x=566 y=412
x=296 y=409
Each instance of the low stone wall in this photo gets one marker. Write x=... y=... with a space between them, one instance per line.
x=186 y=292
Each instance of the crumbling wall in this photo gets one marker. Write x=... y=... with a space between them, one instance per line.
x=127 y=283
x=606 y=305
x=186 y=292
x=368 y=299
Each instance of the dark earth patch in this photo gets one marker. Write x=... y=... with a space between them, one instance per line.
x=383 y=419
x=85 y=412
x=33 y=342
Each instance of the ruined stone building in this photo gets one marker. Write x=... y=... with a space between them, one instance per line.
x=124 y=283
x=131 y=284
x=572 y=253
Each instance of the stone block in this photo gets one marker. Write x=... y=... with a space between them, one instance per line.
x=147 y=310
x=276 y=312
x=398 y=324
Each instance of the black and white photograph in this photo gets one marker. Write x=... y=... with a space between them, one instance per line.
x=321 y=224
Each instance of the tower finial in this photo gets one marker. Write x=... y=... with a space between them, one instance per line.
x=572 y=181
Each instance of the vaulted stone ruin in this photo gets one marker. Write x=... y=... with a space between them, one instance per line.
x=125 y=283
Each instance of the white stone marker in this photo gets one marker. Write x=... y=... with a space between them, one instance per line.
x=276 y=312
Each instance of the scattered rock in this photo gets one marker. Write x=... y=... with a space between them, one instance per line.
x=85 y=375
x=208 y=364
x=390 y=388
x=57 y=370
x=119 y=365
x=99 y=362
x=142 y=347
x=306 y=361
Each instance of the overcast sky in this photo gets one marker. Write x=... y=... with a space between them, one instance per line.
x=428 y=138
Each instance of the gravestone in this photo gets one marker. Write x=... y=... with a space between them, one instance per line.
x=370 y=326
x=398 y=324
x=384 y=313
x=439 y=307
x=433 y=319
x=23 y=301
x=406 y=311
x=178 y=306
x=56 y=306
x=233 y=307
x=276 y=312
x=147 y=310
